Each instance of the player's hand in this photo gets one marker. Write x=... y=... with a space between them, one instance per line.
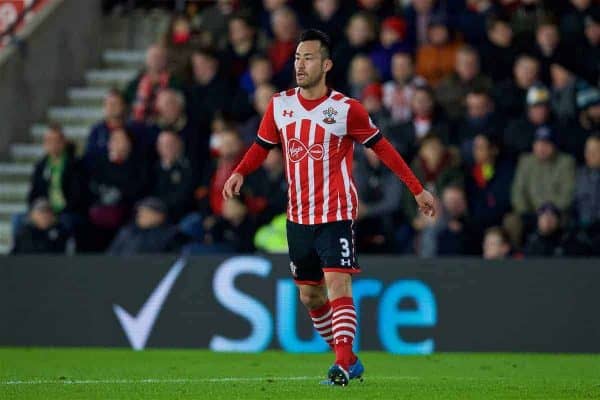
x=426 y=203
x=233 y=185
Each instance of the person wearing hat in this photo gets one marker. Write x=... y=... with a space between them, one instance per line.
x=149 y=233
x=548 y=238
x=519 y=134
x=392 y=39
x=545 y=175
x=42 y=233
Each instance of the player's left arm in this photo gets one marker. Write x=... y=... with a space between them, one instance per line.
x=362 y=129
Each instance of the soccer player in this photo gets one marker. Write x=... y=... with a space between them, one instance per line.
x=316 y=128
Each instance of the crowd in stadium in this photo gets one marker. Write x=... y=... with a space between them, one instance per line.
x=494 y=104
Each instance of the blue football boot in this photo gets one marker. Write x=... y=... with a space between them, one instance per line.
x=356 y=370
x=338 y=376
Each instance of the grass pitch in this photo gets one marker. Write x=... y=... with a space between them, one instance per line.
x=198 y=374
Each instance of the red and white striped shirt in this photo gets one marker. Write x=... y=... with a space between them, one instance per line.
x=317 y=139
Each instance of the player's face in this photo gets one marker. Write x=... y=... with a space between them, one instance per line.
x=309 y=64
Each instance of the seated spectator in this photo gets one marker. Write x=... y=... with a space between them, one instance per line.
x=42 y=233
x=259 y=73
x=359 y=37
x=588 y=121
x=519 y=134
x=511 y=94
x=207 y=80
x=435 y=60
x=379 y=8
x=282 y=48
x=180 y=40
x=547 y=240
x=544 y=176
x=262 y=97
x=57 y=177
x=174 y=177
x=587 y=187
x=371 y=97
x=426 y=118
x=150 y=233
x=471 y=21
x=231 y=232
x=141 y=92
x=243 y=43
x=498 y=54
x=466 y=77
x=171 y=117
x=547 y=46
x=115 y=116
x=564 y=90
x=398 y=93
x=496 y=244
x=587 y=52
x=572 y=22
x=419 y=14
x=379 y=193
x=480 y=118
x=362 y=72
x=392 y=39
x=116 y=182
x=327 y=16
x=488 y=183
x=524 y=19
x=214 y=20
x=454 y=232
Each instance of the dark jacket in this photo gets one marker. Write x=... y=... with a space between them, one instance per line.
x=240 y=238
x=123 y=184
x=404 y=137
x=31 y=240
x=509 y=99
x=134 y=240
x=97 y=141
x=519 y=136
x=175 y=186
x=544 y=246
x=73 y=187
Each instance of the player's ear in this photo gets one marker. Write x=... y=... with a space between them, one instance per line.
x=327 y=65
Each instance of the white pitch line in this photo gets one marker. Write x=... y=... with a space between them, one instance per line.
x=205 y=380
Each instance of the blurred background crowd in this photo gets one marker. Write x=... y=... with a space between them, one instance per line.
x=494 y=104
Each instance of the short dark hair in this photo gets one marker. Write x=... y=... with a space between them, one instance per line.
x=322 y=37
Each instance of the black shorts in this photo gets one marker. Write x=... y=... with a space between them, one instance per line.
x=319 y=248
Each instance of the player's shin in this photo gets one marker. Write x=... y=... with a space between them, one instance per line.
x=321 y=319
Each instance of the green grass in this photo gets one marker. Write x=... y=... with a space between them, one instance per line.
x=197 y=374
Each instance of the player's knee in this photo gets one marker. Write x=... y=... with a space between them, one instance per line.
x=312 y=299
x=338 y=285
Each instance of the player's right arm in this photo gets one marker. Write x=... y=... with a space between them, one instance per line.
x=266 y=138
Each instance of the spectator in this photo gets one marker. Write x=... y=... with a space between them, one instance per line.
x=371 y=98
x=174 y=177
x=498 y=54
x=398 y=93
x=480 y=118
x=116 y=182
x=588 y=51
x=42 y=233
x=392 y=39
x=546 y=175
x=359 y=36
x=525 y=17
x=519 y=134
x=259 y=73
x=271 y=187
x=281 y=51
x=471 y=21
x=548 y=239
x=587 y=123
x=203 y=104
x=150 y=233
x=426 y=118
x=547 y=41
x=452 y=90
x=261 y=99
x=496 y=244
x=180 y=40
x=327 y=16
x=231 y=232
x=418 y=14
x=214 y=20
x=243 y=43
x=435 y=60
x=141 y=92
x=510 y=95
x=171 y=117
x=572 y=23
x=379 y=194
x=115 y=116
x=57 y=177
x=587 y=187
x=564 y=85
x=454 y=232
x=379 y=8
x=488 y=183
x=362 y=73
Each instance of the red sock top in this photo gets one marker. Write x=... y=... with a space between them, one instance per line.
x=321 y=311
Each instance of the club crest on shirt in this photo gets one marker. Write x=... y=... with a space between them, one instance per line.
x=329 y=113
